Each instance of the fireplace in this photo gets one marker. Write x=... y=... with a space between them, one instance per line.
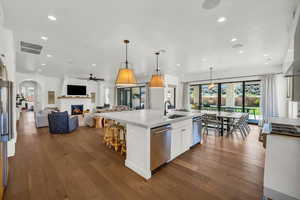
x=77 y=109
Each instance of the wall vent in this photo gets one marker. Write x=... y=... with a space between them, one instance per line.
x=236 y=46
x=31 y=48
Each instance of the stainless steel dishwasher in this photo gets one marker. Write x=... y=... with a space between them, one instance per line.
x=160 y=140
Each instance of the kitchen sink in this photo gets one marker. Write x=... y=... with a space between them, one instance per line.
x=174 y=116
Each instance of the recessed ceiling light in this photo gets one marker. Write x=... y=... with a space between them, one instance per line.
x=51 y=17
x=44 y=38
x=204 y=59
x=49 y=56
x=178 y=65
x=221 y=19
x=94 y=65
x=43 y=64
x=266 y=63
x=241 y=51
x=266 y=55
x=233 y=39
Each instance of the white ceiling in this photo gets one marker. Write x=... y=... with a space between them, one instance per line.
x=88 y=32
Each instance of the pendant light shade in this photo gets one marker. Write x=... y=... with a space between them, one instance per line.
x=157 y=80
x=125 y=75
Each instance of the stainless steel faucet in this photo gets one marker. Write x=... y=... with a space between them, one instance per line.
x=165 y=108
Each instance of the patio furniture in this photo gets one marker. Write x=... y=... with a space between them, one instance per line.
x=211 y=121
x=225 y=116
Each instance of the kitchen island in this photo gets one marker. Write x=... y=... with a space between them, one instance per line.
x=143 y=149
x=282 y=163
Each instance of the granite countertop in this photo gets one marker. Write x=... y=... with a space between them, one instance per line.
x=148 y=118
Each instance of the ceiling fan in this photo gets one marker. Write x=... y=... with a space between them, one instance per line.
x=92 y=78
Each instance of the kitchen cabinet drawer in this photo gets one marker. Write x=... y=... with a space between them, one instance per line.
x=182 y=124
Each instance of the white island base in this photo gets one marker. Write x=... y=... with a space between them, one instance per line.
x=138 y=140
x=138 y=150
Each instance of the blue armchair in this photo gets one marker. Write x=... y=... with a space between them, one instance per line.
x=60 y=122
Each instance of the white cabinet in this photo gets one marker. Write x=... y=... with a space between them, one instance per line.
x=181 y=137
x=176 y=143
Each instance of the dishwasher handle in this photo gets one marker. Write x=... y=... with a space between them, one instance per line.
x=161 y=131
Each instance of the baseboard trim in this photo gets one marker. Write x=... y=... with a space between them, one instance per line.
x=275 y=195
x=144 y=173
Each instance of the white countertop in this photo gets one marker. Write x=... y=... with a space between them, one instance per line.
x=147 y=118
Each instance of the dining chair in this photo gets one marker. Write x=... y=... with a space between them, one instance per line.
x=238 y=125
x=211 y=121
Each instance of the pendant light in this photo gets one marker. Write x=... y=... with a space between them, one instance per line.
x=125 y=75
x=157 y=80
x=211 y=85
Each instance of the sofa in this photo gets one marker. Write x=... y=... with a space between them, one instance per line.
x=41 y=118
x=60 y=122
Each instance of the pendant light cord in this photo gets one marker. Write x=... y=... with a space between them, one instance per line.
x=157 y=54
x=126 y=61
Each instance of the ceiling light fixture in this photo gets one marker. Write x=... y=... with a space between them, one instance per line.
x=178 y=65
x=44 y=38
x=266 y=55
x=266 y=63
x=222 y=19
x=43 y=64
x=233 y=39
x=211 y=85
x=51 y=17
x=157 y=80
x=241 y=52
x=49 y=56
x=94 y=65
x=125 y=75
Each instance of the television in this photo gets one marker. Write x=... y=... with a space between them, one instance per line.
x=76 y=90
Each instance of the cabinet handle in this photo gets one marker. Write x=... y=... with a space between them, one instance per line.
x=183 y=129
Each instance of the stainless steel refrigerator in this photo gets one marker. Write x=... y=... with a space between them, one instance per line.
x=6 y=120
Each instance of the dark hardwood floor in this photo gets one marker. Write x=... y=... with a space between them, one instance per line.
x=79 y=166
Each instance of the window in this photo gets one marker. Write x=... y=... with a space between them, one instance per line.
x=209 y=97
x=232 y=97
x=194 y=97
x=171 y=96
x=136 y=98
x=252 y=100
x=133 y=97
x=241 y=96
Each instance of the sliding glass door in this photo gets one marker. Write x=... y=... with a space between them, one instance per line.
x=133 y=97
x=195 y=97
x=252 y=100
x=209 y=97
x=232 y=97
x=241 y=96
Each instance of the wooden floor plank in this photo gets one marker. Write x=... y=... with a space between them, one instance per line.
x=79 y=166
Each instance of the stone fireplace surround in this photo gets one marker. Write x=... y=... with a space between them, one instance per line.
x=65 y=103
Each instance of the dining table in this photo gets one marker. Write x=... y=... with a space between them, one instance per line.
x=225 y=116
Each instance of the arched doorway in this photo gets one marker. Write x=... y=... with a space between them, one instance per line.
x=28 y=95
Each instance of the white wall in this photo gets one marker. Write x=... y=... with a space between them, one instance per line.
x=92 y=86
x=45 y=83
